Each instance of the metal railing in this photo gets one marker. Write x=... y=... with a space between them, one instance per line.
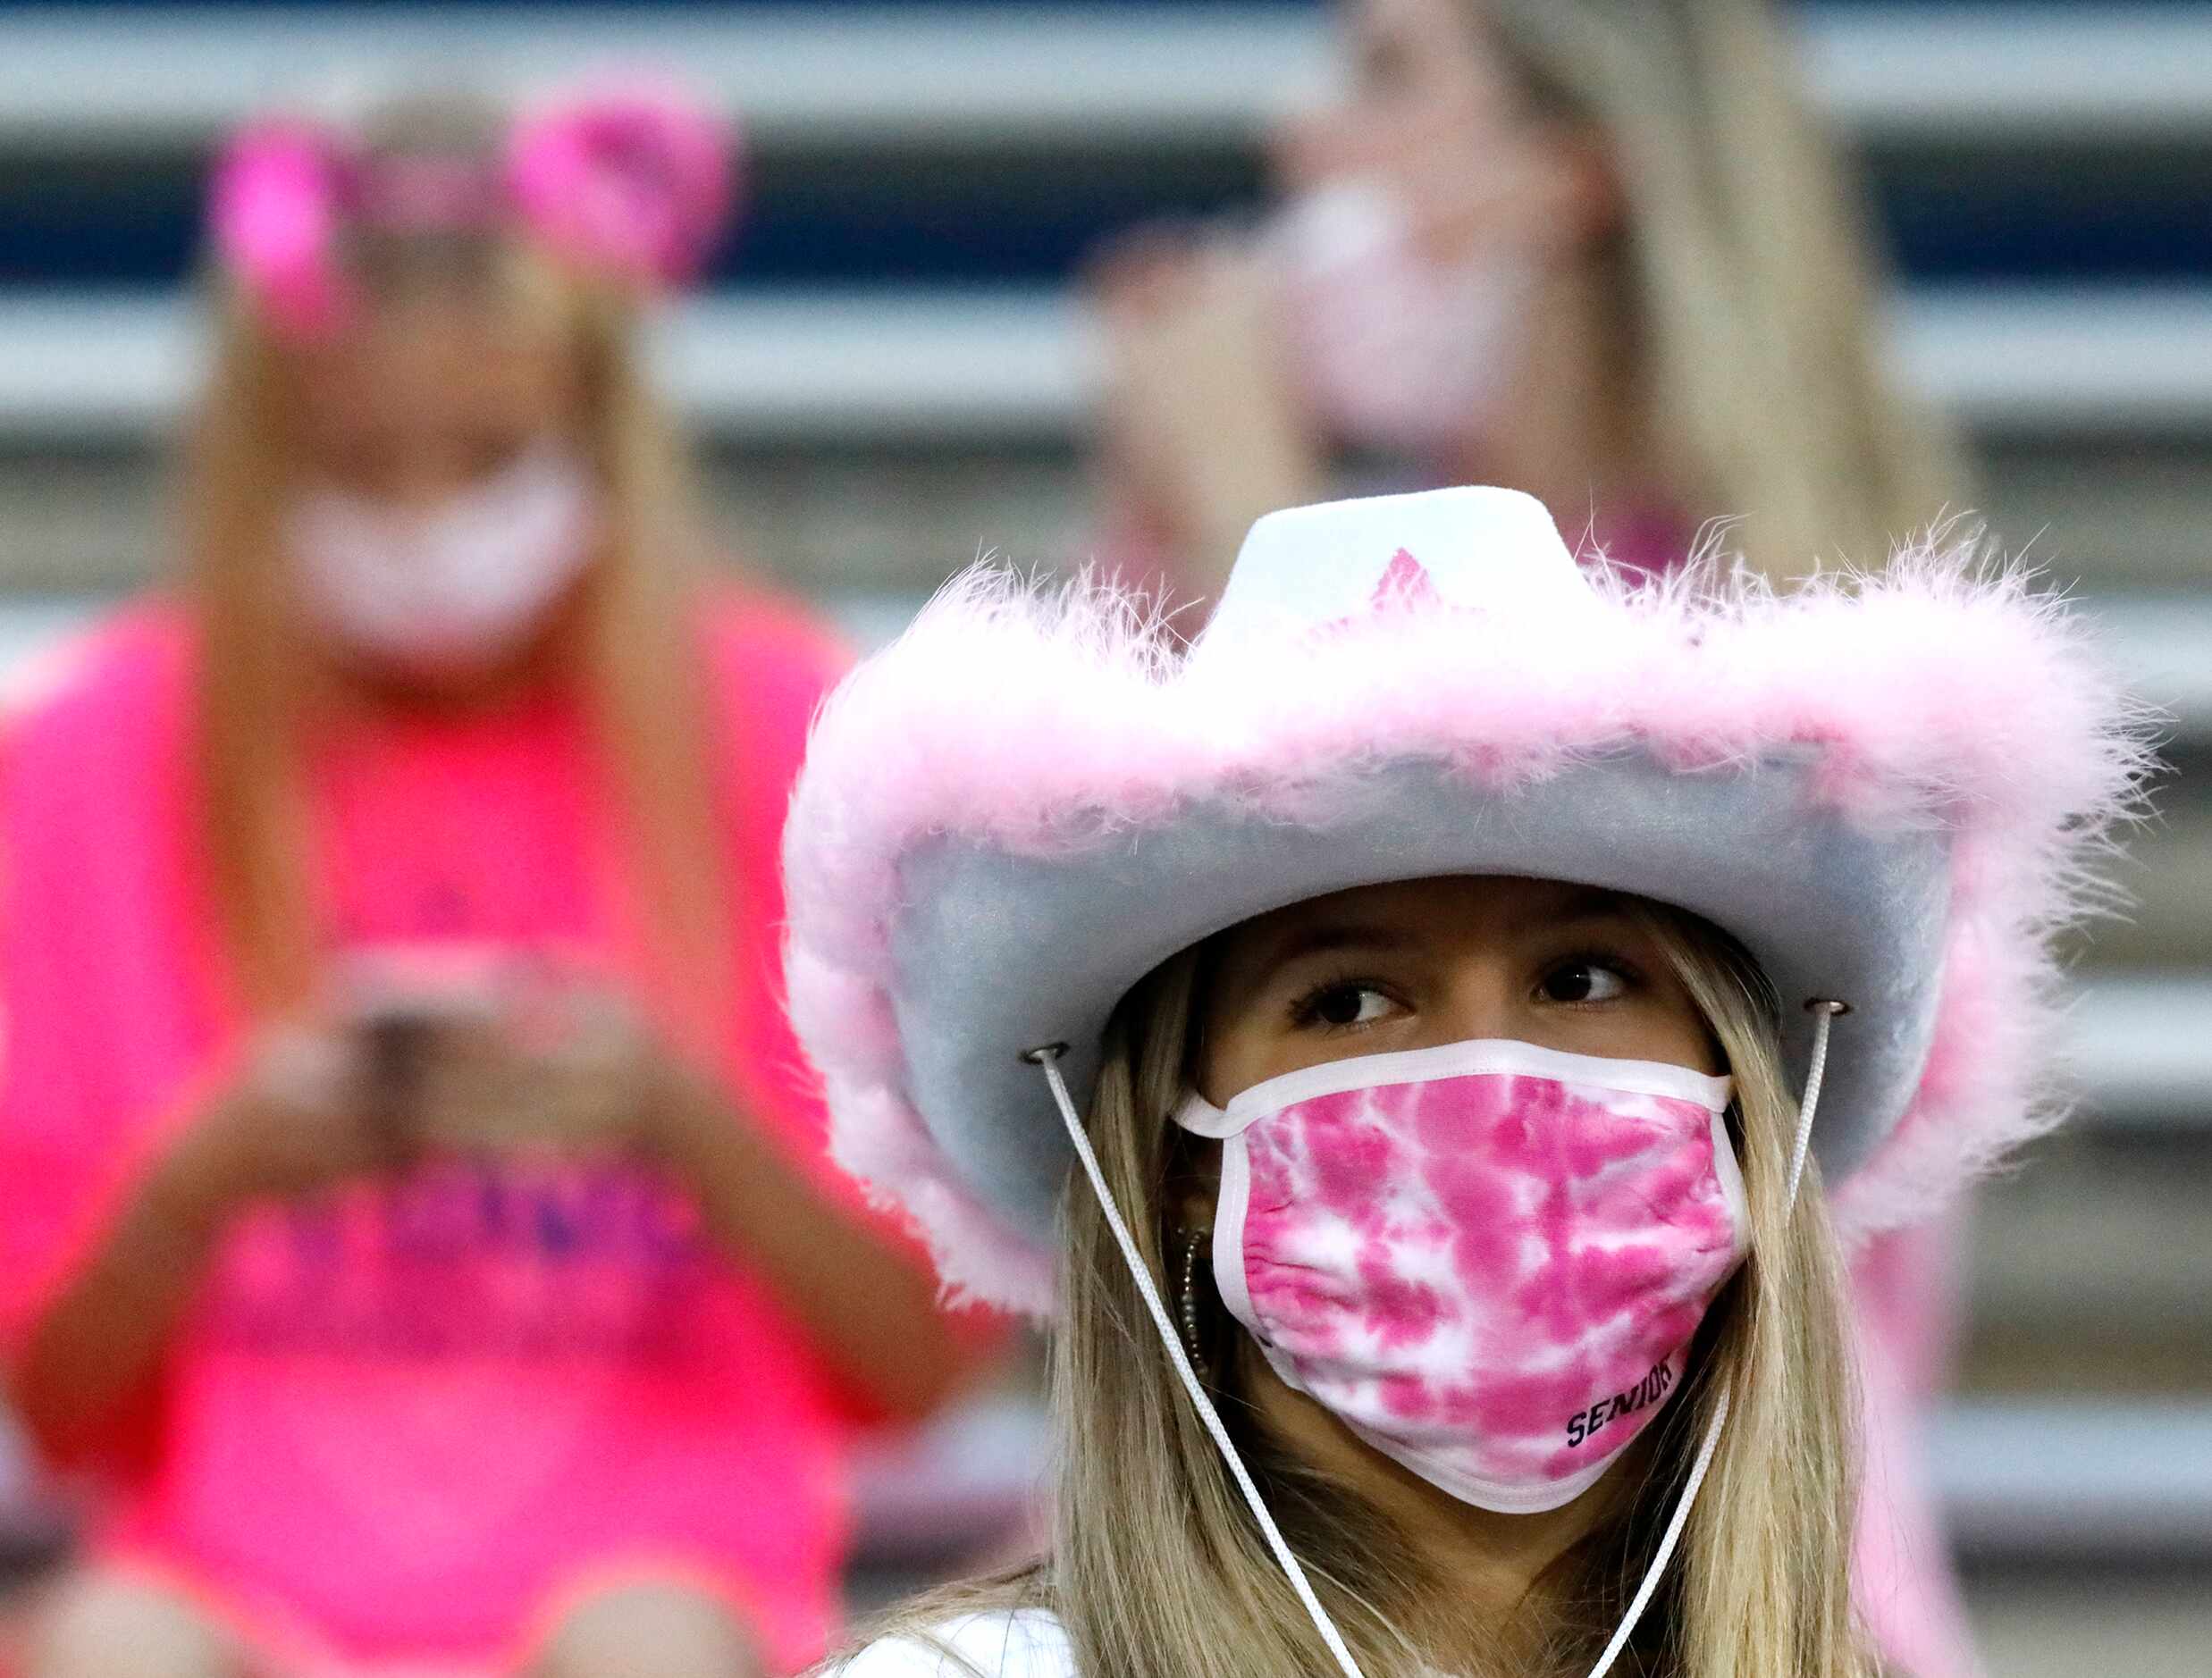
x=87 y=78
x=1025 y=362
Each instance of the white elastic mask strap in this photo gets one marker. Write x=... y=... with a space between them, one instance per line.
x=1176 y=1355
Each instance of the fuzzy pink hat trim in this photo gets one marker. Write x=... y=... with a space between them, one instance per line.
x=1049 y=722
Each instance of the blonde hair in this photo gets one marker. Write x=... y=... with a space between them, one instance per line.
x=642 y=668
x=1157 y=1570
x=1745 y=284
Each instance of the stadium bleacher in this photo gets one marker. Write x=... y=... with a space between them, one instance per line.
x=890 y=374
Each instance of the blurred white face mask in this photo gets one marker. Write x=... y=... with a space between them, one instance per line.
x=452 y=586
x=1395 y=350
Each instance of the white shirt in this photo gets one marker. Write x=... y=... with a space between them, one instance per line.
x=1008 y=1643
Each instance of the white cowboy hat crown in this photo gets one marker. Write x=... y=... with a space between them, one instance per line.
x=1886 y=789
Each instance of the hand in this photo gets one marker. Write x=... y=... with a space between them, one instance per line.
x=1203 y=431
x=559 y=1065
x=303 y=1115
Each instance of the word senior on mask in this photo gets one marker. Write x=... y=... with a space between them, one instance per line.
x=1645 y=1393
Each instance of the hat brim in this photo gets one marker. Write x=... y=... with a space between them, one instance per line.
x=1001 y=952
x=1884 y=792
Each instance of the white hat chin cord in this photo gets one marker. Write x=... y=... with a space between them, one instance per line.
x=1047 y=1059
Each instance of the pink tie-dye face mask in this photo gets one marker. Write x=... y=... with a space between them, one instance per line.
x=1488 y=1258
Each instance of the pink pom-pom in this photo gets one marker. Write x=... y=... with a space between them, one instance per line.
x=273 y=212
x=636 y=184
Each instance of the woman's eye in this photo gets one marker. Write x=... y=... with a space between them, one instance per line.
x=1583 y=981
x=488 y=453
x=1343 y=1005
x=366 y=468
x=1384 y=62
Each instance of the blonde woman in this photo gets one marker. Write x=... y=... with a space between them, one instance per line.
x=1423 y=1050
x=1599 y=251
x=1596 y=250
x=408 y=1215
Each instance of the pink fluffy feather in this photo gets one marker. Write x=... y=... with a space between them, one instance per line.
x=1942 y=692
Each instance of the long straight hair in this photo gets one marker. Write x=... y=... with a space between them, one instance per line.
x=1157 y=1569
x=1745 y=281
x=639 y=659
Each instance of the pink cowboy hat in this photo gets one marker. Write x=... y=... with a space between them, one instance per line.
x=1892 y=790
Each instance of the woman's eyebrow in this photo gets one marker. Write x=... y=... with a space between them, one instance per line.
x=1330 y=937
x=1586 y=904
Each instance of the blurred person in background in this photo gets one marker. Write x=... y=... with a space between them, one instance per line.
x=412 y=1217
x=1599 y=252
x=1595 y=250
